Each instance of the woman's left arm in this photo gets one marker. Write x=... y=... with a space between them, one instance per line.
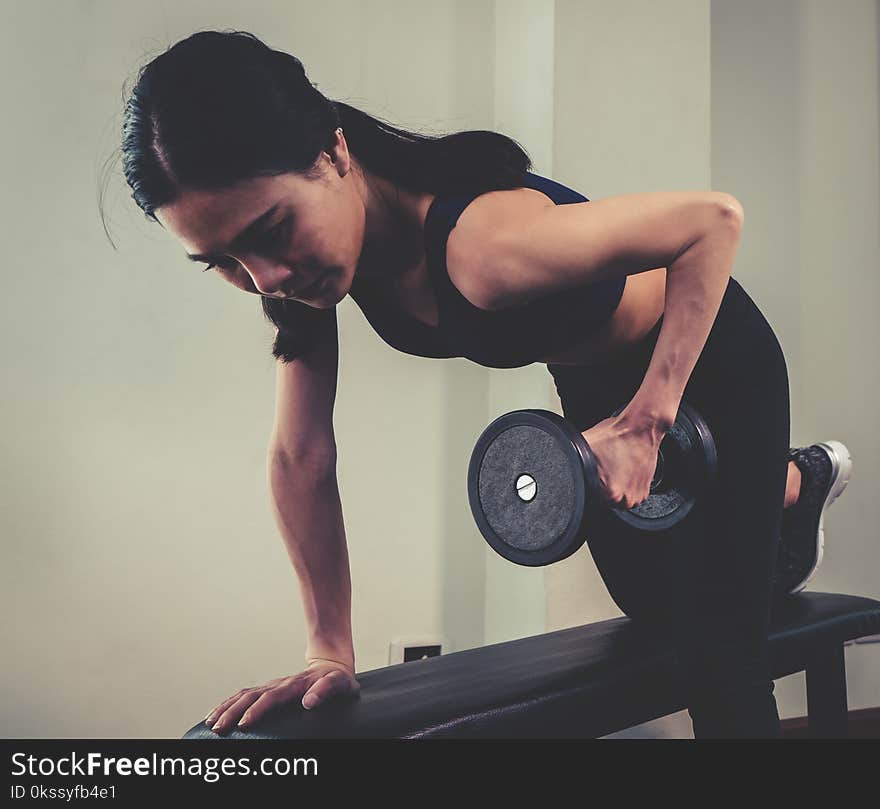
x=520 y=254
x=695 y=284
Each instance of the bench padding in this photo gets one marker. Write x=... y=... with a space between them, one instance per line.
x=581 y=682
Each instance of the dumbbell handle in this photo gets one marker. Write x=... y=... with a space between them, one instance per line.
x=591 y=473
x=513 y=485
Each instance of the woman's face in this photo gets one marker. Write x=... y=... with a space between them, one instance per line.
x=288 y=236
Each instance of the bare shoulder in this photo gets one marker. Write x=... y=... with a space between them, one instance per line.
x=470 y=247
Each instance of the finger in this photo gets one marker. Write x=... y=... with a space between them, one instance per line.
x=214 y=714
x=233 y=713
x=278 y=682
x=270 y=699
x=331 y=683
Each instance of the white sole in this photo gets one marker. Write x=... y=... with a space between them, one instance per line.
x=841 y=470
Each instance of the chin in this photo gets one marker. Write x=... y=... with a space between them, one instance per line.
x=337 y=280
x=347 y=276
x=330 y=296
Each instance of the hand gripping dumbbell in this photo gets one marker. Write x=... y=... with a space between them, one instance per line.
x=534 y=489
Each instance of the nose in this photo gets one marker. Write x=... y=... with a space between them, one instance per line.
x=269 y=276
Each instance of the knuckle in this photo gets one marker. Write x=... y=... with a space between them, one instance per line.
x=335 y=684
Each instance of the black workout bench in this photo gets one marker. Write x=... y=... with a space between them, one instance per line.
x=582 y=682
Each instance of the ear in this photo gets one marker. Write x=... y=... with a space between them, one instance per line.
x=337 y=152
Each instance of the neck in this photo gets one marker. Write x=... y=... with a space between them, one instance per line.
x=394 y=229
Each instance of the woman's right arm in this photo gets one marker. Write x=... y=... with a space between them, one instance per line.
x=308 y=511
x=305 y=495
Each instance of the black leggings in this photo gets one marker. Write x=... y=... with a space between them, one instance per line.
x=706 y=584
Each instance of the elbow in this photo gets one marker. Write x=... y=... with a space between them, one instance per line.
x=728 y=210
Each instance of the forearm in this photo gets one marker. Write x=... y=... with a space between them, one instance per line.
x=695 y=284
x=308 y=511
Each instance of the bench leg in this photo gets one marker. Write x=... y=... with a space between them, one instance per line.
x=826 y=694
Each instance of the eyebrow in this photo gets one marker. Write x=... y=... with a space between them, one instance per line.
x=248 y=233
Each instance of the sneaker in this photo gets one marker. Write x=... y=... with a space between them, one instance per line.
x=825 y=471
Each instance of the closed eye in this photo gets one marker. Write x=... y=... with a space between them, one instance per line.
x=271 y=239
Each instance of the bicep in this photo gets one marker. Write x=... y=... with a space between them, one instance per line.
x=305 y=394
x=564 y=246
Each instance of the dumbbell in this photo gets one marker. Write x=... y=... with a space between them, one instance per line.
x=534 y=490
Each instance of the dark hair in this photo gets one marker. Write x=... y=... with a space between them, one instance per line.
x=221 y=106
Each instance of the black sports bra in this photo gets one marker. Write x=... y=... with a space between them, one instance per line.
x=501 y=338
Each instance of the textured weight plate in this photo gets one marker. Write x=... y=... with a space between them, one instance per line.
x=686 y=465
x=527 y=487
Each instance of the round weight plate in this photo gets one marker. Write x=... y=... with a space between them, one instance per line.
x=527 y=486
x=686 y=464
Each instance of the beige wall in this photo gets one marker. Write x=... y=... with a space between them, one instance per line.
x=142 y=575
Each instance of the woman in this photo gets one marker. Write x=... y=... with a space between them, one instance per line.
x=451 y=247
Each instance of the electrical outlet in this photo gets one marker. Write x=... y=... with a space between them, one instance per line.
x=404 y=650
